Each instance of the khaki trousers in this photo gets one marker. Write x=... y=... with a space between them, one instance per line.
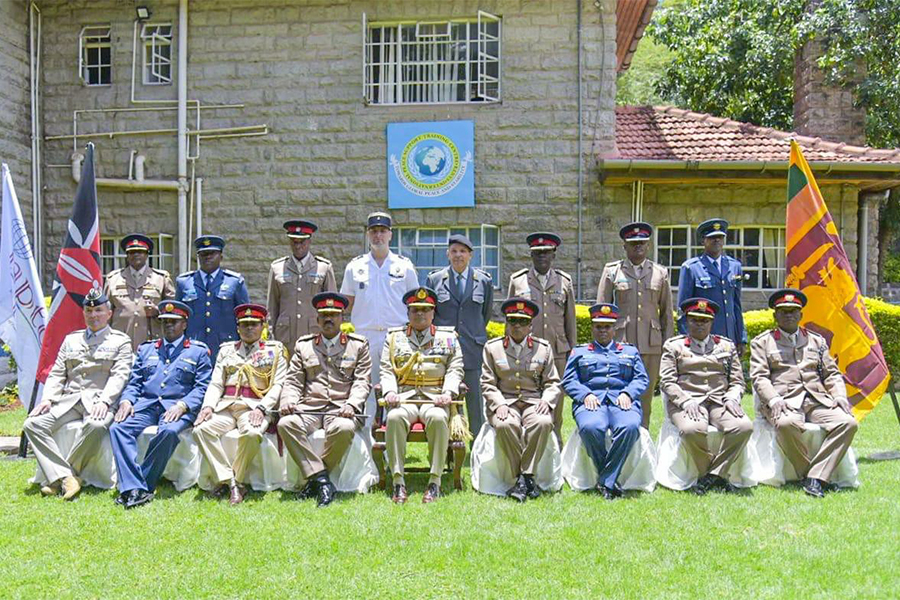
x=736 y=432
x=437 y=432
x=560 y=363
x=209 y=437
x=55 y=466
x=838 y=425
x=651 y=363
x=523 y=436
x=295 y=431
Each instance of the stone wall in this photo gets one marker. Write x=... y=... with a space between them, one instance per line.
x=296 y=66
x=15 y=100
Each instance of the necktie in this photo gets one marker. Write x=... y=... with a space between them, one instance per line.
x=460 y=285
x=209 y=279
x=167 y=351
x=638 y=270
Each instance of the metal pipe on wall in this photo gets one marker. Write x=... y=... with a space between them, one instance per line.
x=182 y=135
x=34 y=56
x=578 y=249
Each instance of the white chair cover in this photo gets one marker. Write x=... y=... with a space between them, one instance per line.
x=99 y=472
x=491 y=472
x=355 y=473
x=675 y=469
x=637 y=472
x=267 y=472
x=770 y=466
x=183 y=468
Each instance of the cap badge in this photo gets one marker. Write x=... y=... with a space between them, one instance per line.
x=520 y=305
x=421 y=294
x=605 y=310
x=701 y=304
x=789 y=297
x=717 y=226
x=206 y=242
x=248 y=312
x=169 y=308
x=329 y=302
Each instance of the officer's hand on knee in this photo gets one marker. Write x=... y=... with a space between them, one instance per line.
x=287 y=409
x=692 y=410
x=174 y=413
x=346 y=411
x=205 y=414
x=844 y=405
x=624 y=401
x=99 y=410
x=126 y=409
x=779 y=407
x=543 y=408
x=393 y=400
x=256 y=417
x=40 y=409
x=734 y=408
x=442 y=400
x=591 y=402
x=502 y=412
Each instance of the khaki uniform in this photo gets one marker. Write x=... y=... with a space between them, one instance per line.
x=556 y=320
x=324 y=379
x=520 y=379
x=290 y=293
x=805 y=376
x=645 y=309
x=85 y=372
x=239 y=369
x=420 y=367
x=129 y=294
x=710 y=375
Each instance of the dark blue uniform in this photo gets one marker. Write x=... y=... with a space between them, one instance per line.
x=606 y=372
x=212 y=321
x=700 y=278
x=158 y=381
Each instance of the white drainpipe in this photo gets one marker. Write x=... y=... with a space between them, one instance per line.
x=182 y=136
x=134 y=185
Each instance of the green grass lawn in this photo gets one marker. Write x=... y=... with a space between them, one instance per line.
x=768 y=543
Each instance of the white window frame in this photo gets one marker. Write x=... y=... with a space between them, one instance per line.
x=456 y=61
x=94 y=37
x=154 y=43
x=163 y=253
x=479 y=254
x=735 y=247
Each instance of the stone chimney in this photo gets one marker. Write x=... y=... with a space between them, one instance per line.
x=822 y=109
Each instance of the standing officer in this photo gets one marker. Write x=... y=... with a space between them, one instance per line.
x=640 y=288
x=375 y=283
x=135 y=291
x=717 y=277
x=605 y=380
x=329 y=377
x=246 y=384
x=168 y=380
x=702 y=378
x=421 y=369
x=293 y=281
x=212 y=293
x=465 y=297
x=798 y=381
x=553 y=292
x=90 y=371
x=521 y=390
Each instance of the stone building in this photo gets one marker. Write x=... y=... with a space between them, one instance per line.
x=230 y=116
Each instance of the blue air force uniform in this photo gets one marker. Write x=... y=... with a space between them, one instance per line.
x=701 y=277
x=606 y=372
x=163 y=374
x=212 y=321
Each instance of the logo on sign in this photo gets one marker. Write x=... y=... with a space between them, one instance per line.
x=430 y=165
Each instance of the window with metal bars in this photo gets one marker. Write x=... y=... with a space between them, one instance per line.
x=95 y=55
x=427 y=248
x=157 y=40
x=432 y=62
x=760 y=250
x=113 y=257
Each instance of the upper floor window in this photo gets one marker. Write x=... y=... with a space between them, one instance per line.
x=432 y=62
x=163 y=257
x=427 y=248
x=157 y=40
x=760 y=250
x=95 y=55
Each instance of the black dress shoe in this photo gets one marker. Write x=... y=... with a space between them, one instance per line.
x=139 y=497
x=326 y=491
x=534 y=491
x=608 y=493
x=830 y=487
x=813 y=487
x=309 y=491
x=519 y=491
x=123 y=498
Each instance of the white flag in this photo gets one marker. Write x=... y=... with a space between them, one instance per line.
x=23 y=316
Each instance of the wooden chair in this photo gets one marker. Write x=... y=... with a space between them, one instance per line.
x=456 y=454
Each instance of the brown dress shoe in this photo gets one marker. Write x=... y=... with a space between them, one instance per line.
x=51 y=489
x=432 y=493
x=237 y=494
x=70 y=486
x=400 y=495
x=220 y=491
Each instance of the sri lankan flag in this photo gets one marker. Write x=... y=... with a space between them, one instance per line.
x=817 y=265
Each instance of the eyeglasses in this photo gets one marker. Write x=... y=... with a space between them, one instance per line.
x=518 y=321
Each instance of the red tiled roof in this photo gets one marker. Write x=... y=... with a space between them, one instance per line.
x=668 y=133
x=632 y=17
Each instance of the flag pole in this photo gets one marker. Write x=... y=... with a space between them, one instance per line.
x=23 y=441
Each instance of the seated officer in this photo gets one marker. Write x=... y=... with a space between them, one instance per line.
x=421 y=369
x=168 y=380
x=246 y=384
x=90 y=371
x=797 y=381
x=520 y=386
x=326 y=388
x=701 y=376
x=605 y=380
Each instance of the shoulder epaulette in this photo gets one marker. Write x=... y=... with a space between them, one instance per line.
x=357 y=257
x=357 y=337
x=151 y=342
x=540 y=341
x=280 y=260
x=307 y=337
x=118 y=333
x=114 y=272
x=446 y=328
x=406 y=258
x=485 y=274
x=160 y=272
x=430 y=273
x=233 y=273
x=322 y=259
x=195 y=342
x=520 y=272
x=396 y=329
x=496 y=340
x=564 y=275
x=188 y=274
x=612 y=264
